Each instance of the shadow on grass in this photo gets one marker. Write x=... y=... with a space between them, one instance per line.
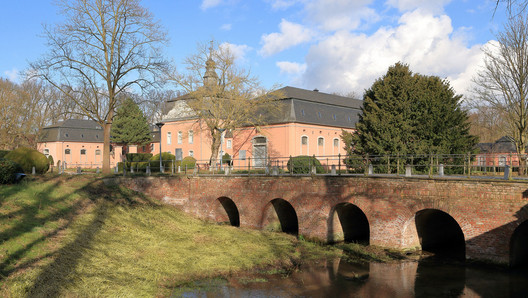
x=42 y=215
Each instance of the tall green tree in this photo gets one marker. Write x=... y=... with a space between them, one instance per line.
x=129 y=125
x=406 y=113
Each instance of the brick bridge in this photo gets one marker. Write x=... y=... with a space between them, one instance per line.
x=473 y=219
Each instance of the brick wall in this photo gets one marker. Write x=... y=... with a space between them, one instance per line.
x=486 y=211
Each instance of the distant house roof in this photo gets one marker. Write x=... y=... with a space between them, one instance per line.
x=502 y=145
x=300 y=105
x=75 y=130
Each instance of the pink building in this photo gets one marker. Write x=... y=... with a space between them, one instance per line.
x=79 y=143
x=310 y=124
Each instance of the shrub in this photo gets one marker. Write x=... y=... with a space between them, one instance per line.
x=167 y=160
x=3 y=153
x=28 y=158
x=131 y=157
x=226 y=158
x=8 y=170
x=301 y=164
x=189 y=162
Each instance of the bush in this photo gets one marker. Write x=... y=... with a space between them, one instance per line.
x=131 y=157
x=8 y=169
x=50 y=160
x=189 y=162
x=226 y=158
x=301 y=164
x=28 y=158
x=167 y=160
x=3 y=153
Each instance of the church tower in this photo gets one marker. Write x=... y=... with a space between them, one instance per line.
x=210 y=78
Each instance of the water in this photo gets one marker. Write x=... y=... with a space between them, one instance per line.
x=339 y=278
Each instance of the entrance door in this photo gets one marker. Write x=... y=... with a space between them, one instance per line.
x=260 y=152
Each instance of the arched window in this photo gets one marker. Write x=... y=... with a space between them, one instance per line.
x=304 y=145
x=169 y=138
x=191 y=153
x=336 y=143
x=46 y=152
x=191 y=136
x=67 y=151
x=320 y=146
x=180 y=137
x=83 y=151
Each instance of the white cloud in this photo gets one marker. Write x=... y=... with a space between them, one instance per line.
x=226 y=27
x=210 y=3
x=332 y=15
x=282 y=4
x=347 y=62
x=12 y=74
x=238 y=51
x=291 y=34
x=435 y=6
x=291 y=68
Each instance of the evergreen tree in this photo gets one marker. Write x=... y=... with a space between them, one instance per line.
x=130 y=125
x=406 y=113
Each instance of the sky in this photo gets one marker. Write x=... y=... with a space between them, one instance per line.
x=333 y=45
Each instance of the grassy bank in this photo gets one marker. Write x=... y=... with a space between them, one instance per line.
x=75 y=236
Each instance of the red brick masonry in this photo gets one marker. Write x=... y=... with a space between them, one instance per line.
x=487 y=211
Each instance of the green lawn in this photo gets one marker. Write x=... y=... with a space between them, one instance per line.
x=75 y=236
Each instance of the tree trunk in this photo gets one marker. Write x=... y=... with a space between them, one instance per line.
x=216 y=137
x=106 y=143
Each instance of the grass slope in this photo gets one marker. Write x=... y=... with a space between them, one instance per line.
x=75 y=236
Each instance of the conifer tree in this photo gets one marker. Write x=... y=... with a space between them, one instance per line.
x=130 y=125
x=405 y=113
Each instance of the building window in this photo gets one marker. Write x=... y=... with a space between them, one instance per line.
x=242 y=154
x=98 y=152
x=66 y=135
x=180 y=137
x=304 y=140
x=191 y=136
x=191 y=153
x=319 y=114
x=335 y=117
x=83 y=151
x=169 y=138
x=46 y=152
x=82 y=136
x=152 y=147
x=320 y=141
x=67 y=151
x=228 y=144
x=349 y=119
x=336 y=143
x=482 y=160
x=302 y=112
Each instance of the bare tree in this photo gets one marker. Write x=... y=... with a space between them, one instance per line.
x=514 y=7
x=223 y=95
x=502 y=84
x=103 y=48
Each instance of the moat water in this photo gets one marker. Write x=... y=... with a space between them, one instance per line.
x=339 y=278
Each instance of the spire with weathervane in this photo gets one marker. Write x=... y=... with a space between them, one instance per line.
x=210 y=77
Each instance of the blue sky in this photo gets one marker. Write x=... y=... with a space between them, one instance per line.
x=332 y=45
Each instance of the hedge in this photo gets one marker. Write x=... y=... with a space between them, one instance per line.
x=301 y=164
x=8 y=170
x=28 y=158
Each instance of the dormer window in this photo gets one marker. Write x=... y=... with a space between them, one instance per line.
x=319 y=114
x=335 y=118
x=302 y=112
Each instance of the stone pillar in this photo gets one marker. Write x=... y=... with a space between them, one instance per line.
x=408 y=171
x=333 y=170
x=78 y=170
x=33 y=171
x=370 y=169
x=441 y=170
x=275 y=171
x=507 y=174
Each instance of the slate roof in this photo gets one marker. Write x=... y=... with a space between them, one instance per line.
x=75 y=130
x=502 y=145
x=300 y=106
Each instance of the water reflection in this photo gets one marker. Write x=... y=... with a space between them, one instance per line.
x=339 y=278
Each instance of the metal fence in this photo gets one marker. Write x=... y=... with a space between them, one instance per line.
x=492 y=165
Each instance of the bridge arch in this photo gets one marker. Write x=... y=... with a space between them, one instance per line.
x=227 y=211
x=439 y=233
x=519 y=246
x=279 y=215
x=348 y=223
